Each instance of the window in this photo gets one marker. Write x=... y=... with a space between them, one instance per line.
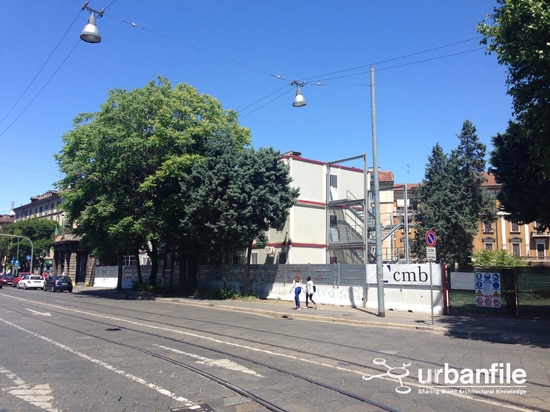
x=489 y=246
x=333 y=181
x=333 y=260
x=516 y=249
x=514 y=226
x=333 y=221
x=488 y=228
x=128 y=260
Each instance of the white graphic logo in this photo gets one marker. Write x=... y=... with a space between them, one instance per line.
x=397 y=372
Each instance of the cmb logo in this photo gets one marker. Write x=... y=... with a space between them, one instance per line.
x=410 y=276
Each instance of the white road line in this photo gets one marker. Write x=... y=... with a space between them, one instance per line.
x=39 y=313
x=107 y=366
x=222 y=363
x=39 y=395
x=283 y=355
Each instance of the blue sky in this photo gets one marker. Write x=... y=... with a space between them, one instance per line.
x=431 y=74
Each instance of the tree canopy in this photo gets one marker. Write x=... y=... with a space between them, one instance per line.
x=164 y=168
x=451 y=199
x=238 y=195
x=123 y=164
x=519 y=33
x=41 y=233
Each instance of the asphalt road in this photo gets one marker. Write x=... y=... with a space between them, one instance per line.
x=91 y=351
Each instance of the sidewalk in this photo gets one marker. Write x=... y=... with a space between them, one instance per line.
x=326 y=313
x=494 y=329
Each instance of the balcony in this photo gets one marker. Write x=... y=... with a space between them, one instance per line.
x=538 y=234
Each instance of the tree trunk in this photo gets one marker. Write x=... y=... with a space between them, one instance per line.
x=223 y=266
x=153 y=254
x=172 y=266
x=119 y=277
x=139 y=274
x=246 y=286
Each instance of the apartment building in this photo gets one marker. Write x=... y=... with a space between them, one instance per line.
x=44 y=206
x=67 y=256
x=333 y=218
x=521 y=240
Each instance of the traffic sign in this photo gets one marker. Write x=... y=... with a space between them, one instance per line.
x=430 y=253
x=431 y=238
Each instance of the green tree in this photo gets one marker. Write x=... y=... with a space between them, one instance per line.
x=213 y=199
x=269 y=198
x=238 y=195
x=40 y=232
x=123 y=165
x=497 y=259
x=451 y=199
x=519 y=33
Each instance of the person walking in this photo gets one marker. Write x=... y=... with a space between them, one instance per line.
x=310 y=290
x=297 y=287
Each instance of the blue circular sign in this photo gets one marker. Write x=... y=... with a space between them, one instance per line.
x=431 y=238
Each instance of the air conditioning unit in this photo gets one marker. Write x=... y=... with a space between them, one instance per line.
x=269 y=250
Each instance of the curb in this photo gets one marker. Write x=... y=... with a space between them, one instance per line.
x=319 y=318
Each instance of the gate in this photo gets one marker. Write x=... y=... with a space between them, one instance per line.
x=524 y=291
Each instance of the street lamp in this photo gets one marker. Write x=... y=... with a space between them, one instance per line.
x=90 y=32
x=299 y=101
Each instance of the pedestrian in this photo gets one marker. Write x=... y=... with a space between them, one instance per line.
x=310 y=290
x=297 y=286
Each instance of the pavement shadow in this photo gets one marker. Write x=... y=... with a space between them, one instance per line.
x=517 y=331
x=116 y=294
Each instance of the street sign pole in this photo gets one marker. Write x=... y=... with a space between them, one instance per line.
x=431 y=240
x=432 y=293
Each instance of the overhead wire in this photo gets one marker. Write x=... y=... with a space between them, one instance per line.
x=40 y=70
x=241 y=111
x=319 y=78
x=176 y=40
x=396 y=58
x=41 y=89
x=402 y=65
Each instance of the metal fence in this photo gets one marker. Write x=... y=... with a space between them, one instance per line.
x=524 y=291
x=262 y=277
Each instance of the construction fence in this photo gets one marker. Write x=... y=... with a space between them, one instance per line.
x=521 y=291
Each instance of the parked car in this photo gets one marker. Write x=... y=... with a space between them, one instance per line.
x=6 y=279
x=17 y=278
x=31 y=282
x=61 y=283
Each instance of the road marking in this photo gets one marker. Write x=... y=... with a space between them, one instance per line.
x=39 y=395
x=222 y=363
x=39 y=313
x=179 y=331
x=107 y=366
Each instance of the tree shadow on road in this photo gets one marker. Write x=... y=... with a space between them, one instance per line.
x=516 y=331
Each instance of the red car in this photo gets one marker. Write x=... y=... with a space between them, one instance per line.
x=6 y=279
x=18 y=278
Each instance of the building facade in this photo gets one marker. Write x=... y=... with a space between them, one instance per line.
x=67 y=255
x=521 y=240
x=331 y=222
x=333 y=219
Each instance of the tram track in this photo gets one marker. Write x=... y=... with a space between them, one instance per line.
x=136 y=320
x=269 y=405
